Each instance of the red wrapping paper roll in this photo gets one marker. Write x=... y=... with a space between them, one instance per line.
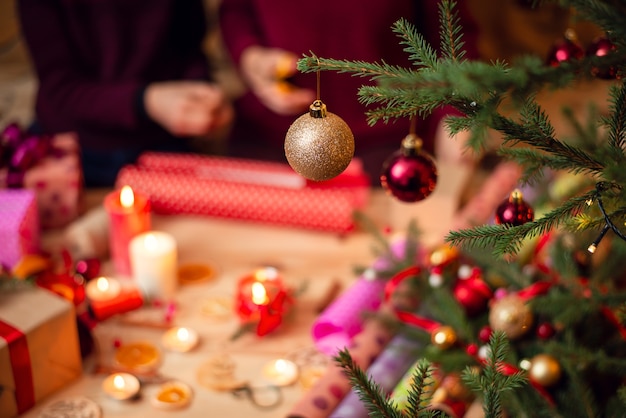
x=247 y=190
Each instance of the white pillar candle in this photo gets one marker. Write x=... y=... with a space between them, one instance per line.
x=153 y=258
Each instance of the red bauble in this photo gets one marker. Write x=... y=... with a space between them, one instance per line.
x=514 y=211
x=564 y=50
x=600 y=47
x=473 y=295
x=409 y=174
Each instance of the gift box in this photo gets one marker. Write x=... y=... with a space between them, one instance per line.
x=39 y=348
x=49 y=165
x=19 y=225
x=249 y=190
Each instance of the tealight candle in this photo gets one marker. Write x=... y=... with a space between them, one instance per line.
x=121 y=386
x=102 y=289
x=281 y=372
x=153 y=258
x=180 y=339
x=129 y=215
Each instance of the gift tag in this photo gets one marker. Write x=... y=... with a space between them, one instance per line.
x=75 y=407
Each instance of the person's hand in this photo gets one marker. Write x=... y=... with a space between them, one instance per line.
x=265 y=71
x=188 y=108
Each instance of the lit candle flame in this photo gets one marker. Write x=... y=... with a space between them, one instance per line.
x=259 y=294
x=281 y=366
x=182 y=334
x=151 y=242
x=102 y=284
x=118 y=382
x=127 y=197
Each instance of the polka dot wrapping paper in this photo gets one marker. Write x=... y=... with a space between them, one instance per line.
x=19 y=225
x=249 y=190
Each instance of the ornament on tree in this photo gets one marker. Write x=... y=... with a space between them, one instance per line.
x=511 y=315
x=473 y=294
x=514 y=211
x=443 y=337
x=544 y=370
x=319 y=145
x=566 y=49
x=600 y=47
x=409 y=174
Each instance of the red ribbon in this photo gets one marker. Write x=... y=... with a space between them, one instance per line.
x=19 y=356
x=408 y=317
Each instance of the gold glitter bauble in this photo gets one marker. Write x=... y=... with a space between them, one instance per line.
x=511 y=315
x=319 y=145
x=545 y=370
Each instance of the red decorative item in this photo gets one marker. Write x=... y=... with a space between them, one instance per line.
x=600 y=47
x=566 y=49
x=409 y=174
x=262 y=299
x=250 y=190
x=514 y=211
x=129 y=214
x=473 y=294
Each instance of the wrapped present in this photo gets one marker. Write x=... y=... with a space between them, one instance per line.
x=39 y=348
x=19 y=225
x=49 y=165
x=250 y=190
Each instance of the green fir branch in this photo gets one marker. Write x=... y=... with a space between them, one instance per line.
x=421 y=54
x=450 y=32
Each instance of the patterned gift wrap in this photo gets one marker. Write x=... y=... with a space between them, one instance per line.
x=247 y=190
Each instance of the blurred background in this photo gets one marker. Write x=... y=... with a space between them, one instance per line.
x=508 y=28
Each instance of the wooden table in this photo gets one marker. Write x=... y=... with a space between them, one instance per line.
x=235 y=248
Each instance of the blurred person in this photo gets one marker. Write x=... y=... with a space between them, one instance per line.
x=265 y=38
x=126 y=76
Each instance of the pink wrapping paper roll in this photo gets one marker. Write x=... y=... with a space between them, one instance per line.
x=343 y=319
x=247 y=190
x=331 y=388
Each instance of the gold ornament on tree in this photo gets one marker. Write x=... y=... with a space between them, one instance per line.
x=319 y=145
x=511 y=315
x=544 y=369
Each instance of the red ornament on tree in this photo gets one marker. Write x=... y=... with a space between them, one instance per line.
x=565 y=49
x=514 y=211
x=473 y=294
x=409 y=174
x=600 y=47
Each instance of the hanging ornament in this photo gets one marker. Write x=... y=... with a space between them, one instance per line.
x=566 y=49
x=600 y=47
x=409 y=174
x=514 y=211
x=511 y=315
x=473 y=294
x=545 y=370
x=319 y=145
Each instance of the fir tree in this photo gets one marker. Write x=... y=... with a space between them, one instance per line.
x=586 y=300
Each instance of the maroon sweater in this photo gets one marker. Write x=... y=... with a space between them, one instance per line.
x=342 y=29
x=93 y=57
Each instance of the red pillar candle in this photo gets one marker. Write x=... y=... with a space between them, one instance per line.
x=129 y=215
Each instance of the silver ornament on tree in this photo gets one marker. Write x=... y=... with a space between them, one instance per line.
x=319 y=145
